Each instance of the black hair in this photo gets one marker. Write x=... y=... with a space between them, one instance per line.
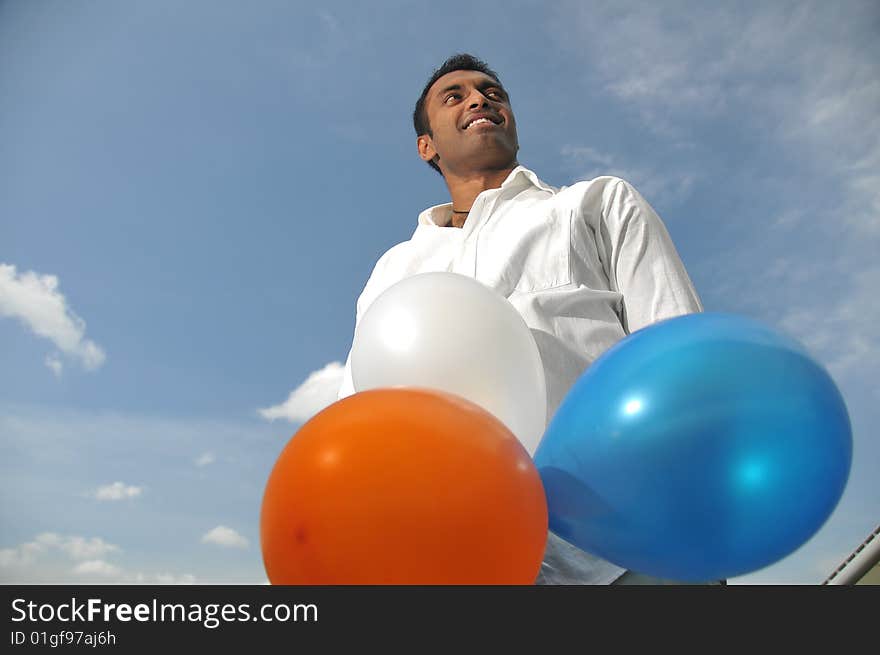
x=458 y=62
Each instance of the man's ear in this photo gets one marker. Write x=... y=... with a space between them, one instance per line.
x=426 y=147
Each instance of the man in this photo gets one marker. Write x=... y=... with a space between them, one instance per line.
x=584 y=265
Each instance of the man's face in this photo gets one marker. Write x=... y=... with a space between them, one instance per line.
x=472 y=123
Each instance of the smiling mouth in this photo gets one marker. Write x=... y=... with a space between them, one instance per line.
x=481 y=121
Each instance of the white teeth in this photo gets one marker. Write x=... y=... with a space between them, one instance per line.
x=479 y=120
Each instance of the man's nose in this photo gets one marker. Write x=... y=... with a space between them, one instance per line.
x=477 y=99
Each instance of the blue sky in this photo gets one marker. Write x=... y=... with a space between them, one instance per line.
x=192 y=196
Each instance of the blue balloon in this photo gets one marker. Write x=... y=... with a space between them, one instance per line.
x=699 y=448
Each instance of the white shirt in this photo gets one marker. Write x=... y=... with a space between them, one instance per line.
x=584 y=265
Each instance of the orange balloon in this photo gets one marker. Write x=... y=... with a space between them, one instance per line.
x=403 y=486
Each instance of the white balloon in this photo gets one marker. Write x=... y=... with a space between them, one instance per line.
x=450 y=332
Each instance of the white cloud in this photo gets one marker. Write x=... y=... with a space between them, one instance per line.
x=117 y=491
x=318 y=391
x=51 y=558
x=204 y=459
x=82 y=548
x=166 y=578
x=662 y=59
x=74 y=547
x=98 y=567
x=35 y=300
x=843 y=335
x=585 y=163
x=60 y=446
x=223 y=536
x=102 y=572
x=803 y=75
x=54 y=363
x=23 y=554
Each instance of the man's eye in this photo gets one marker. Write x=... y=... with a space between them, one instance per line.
x=451 y=95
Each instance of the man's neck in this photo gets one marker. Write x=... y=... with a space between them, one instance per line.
x=464 y=188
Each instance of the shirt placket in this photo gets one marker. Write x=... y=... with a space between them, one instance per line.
x=483 y=206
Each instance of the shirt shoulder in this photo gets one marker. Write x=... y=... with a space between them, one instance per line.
x=591 y=199
x=394 y=251
x=380 y=272
x=593 y=189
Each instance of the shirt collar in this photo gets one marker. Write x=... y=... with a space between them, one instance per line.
x=438 y=215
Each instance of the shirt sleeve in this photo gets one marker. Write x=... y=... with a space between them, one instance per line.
x=643 y=263
x=374 y=284
x=347 y=386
